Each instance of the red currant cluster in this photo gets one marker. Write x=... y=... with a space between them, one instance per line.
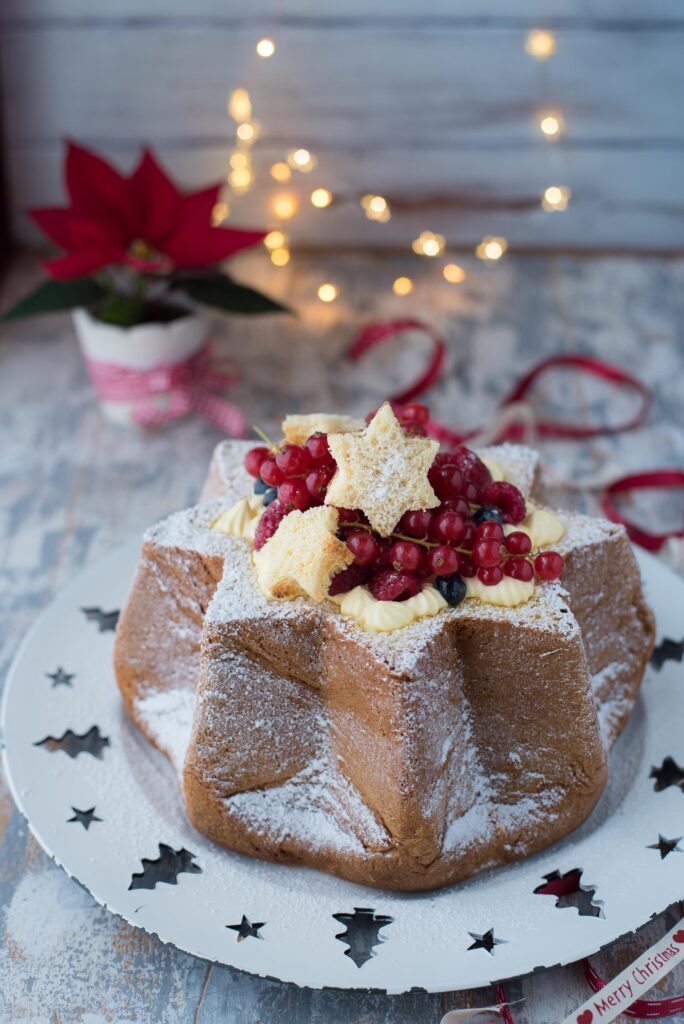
x=463 y=537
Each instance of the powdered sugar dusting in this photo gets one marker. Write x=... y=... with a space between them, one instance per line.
x=167 y=716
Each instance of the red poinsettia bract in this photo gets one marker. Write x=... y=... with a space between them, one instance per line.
x=142 y=220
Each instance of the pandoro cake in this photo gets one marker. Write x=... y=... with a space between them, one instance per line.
x=403 y=720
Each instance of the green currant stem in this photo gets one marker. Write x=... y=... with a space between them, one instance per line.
x=264 y=437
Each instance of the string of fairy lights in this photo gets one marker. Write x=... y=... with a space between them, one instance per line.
x=540 y=44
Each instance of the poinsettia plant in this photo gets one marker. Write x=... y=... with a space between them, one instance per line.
x=136 y=249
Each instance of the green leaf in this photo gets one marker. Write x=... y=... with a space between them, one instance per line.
x=221 y=292
x=55 y=296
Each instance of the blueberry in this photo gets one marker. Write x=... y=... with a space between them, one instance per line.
x=270 y=494
x=488 y=514
x=260 y=487
x=452 y=588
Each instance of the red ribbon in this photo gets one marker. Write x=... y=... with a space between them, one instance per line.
x=375 y=333
x=642 y=1007
x=189 y=385
x=664 y=478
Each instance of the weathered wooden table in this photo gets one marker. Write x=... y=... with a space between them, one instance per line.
x=73 y=487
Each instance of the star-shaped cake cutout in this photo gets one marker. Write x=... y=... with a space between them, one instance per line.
x=60 y=677
x=486 y=941
x=247 y=930
x=666 y=846
x=382 y=471
x=302 y=556
x=85 y=818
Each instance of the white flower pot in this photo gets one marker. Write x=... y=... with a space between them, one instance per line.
x=146 y=347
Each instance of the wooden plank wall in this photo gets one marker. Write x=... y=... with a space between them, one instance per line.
x=433 y=104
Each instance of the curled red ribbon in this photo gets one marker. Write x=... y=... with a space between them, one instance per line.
x=651 y=1008
x=665 y=478
x=193 y=384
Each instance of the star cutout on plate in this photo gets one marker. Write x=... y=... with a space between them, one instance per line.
x=382 y=471
x=106 y=621
x=486 y=941
x=246 y=929
x=85 y=818
x=666 y=846
x=302 y=556
x=669 y=774
x=60 y=677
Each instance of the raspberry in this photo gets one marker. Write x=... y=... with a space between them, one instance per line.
x=518 y=543
x=293 y=494
x=446 y=482
x=269 y=523
x=390 y=585
x=548 y=565
x=293 y=460
x=407 y=555
x=506 y=497
x=519 y=569
x=490 y=575
x=254 y=459
x=473 y=469
x=363 y=546
x=347 y=579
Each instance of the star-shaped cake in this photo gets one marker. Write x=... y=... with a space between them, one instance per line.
x=302 y=556
x=382 y=471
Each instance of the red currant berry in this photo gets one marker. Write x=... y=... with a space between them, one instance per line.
x=417 y=523
x=459 y=505
x=254 y=459
x=317 y=446
x=384 y=559
x=363 y=546
x=490 y=575
x=407 y=555
x=348 y=516
x=470 y=492
x=271 y=474
x=415 y=411
x=443 y=560
x=294 y=460
x=467 y=567
x=487 y=553
x=519 y=569
x=490 y=530
x=548 y=565
x=317 y=482
x=469 y=535
x=518 y=543
x=448 y=527
x=293 y=494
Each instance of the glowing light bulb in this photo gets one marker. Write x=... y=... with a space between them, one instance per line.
x=428 y=244
x=491 y=248
x=453 y=273
x=249 y=131
x=556 y=198
x=240 y=105
x=301 y=160
x=281 y=172
x=376 y=207
x=238 y=161
x=265 y=47
x=402 y=286
x=240 y=180
x=275 y=240
x=327 y=293
x=219 y=213
x=540 y=44
x=321 y=197
x=280 y=257
x=285 y=206
x=551 y=126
